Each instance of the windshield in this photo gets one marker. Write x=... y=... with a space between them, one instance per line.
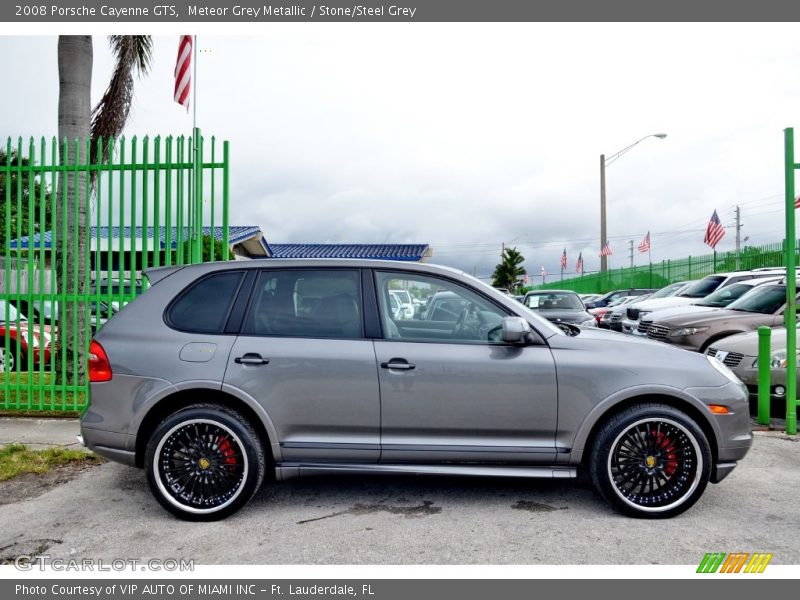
x=665 y=292
x=11 y=315
x=765 y=299
x=703 y=288
x=620 y=300
x=722 y=298
x=554 y=301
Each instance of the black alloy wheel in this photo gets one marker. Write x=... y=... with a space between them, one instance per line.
x=204 y=463
x=651 y=461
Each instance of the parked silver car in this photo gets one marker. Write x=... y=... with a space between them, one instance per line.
x=559 y=306
x=223 y=374
x=740 y=353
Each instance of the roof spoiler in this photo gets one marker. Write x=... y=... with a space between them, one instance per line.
x=156 y=274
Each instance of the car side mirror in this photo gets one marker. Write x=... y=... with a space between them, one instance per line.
x=515 y=330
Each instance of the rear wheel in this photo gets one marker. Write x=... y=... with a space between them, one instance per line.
x=651 y=461
x=204 y=462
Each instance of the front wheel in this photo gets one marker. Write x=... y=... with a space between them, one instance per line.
x=204 y=462
x=11 y=360
x=651 y=461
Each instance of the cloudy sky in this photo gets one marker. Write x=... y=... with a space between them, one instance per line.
x=468 y=136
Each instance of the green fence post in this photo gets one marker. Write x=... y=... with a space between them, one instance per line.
x=790 y=314
x=764 y=334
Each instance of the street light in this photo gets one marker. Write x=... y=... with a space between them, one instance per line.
x=604 y=162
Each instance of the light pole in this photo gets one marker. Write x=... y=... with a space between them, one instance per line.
x=604 y=162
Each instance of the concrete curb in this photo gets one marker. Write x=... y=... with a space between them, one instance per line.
x=39 y=433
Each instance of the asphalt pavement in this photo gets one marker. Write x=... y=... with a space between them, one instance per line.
x=107 y=512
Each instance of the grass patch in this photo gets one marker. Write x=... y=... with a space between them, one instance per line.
x=35 y=394
x=18 y=459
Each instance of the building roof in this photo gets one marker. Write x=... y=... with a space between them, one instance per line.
x=411 y=252
x=249 y=238
x=236 y=234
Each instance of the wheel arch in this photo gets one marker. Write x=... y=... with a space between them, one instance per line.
x=182 y=398
x=587 y=434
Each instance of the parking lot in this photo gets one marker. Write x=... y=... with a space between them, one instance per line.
x=108 y=513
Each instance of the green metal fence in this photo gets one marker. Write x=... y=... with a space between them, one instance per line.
x=657 y=275
x=75 y=237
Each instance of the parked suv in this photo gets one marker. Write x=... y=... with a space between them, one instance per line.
x=248 y=371
x=700 y=289
x=762 y=305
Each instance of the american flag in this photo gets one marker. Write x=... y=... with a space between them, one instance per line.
x=715 y=231
x=564 y=259
x=579 y=264
x=183 y=71
x=644 y=245
x=606 y=251
x=797 y=202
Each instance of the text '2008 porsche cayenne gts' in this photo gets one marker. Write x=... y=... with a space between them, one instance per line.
x=223 y=375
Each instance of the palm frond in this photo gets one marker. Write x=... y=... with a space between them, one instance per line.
x=133 y=54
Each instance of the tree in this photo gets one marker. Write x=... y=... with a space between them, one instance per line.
x=207 y=241
x=77 y=123
x=509 y=270
x=22 y=222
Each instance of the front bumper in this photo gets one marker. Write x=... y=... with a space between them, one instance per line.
x=733 y=431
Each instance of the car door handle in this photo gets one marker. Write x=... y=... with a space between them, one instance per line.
x=397 y=363
x=251 y=358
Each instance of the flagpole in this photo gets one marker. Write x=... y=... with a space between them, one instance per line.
x=194 y=83
x=197 y=203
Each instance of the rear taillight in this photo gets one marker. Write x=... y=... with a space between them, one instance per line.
x=99 y=367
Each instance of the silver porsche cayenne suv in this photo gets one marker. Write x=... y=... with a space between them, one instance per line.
x=223 y=375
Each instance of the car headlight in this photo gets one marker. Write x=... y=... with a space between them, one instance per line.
x=687 y=331
x=777 y=360
x=589 y=323
x=31 y=340
x=642 y=313
x=724 y=370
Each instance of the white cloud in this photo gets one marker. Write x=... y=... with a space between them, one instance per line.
x=469 y=135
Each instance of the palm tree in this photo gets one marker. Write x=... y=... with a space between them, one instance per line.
x=509 y=270
x=77 y=123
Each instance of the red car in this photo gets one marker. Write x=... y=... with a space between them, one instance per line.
x=24 y=342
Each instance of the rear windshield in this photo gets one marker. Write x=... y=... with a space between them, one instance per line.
x=554 y=301
x=703 y=288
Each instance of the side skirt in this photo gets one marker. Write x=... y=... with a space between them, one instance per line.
x=285 y=471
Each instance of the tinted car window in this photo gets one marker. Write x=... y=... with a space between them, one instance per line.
x=306 y=303
x=204 y=307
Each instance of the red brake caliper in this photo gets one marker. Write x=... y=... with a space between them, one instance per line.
x=227 y=451
x=665 y=444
